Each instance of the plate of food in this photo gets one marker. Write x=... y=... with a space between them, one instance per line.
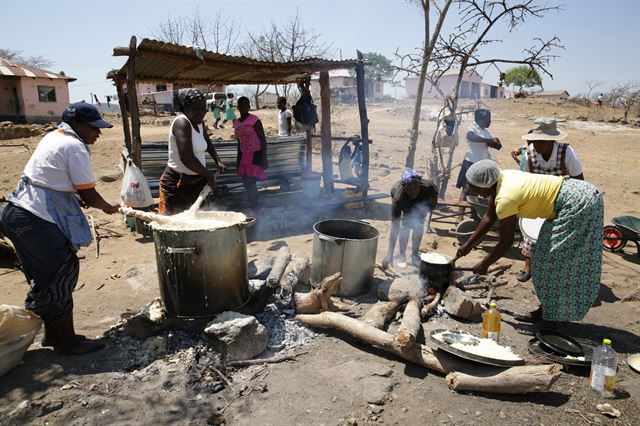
x=468 y=346
x=634 y=362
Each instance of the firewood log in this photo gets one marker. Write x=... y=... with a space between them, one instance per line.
x=296 y=272
x=318 y=300
x=432 y=304
x=282 y=260
x=467 y=376
x=410 y=325
x=381 y=313
x=514 y=380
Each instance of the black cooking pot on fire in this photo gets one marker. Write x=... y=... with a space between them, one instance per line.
x=438 y=269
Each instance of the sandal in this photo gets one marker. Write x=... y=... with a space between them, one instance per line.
x=530 y=317
x=523 y=276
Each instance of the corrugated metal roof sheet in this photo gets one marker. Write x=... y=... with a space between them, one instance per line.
x=14 y=69
x=160 y=61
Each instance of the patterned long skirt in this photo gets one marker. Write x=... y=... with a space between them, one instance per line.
x=567 y=261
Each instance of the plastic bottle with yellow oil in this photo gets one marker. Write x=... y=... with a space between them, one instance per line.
x=603 y=369
x=491 y=320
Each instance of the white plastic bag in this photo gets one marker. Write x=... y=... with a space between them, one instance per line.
x=135 y=190
x=18 y=328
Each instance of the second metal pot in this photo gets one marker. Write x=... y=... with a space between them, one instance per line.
x=346 y=246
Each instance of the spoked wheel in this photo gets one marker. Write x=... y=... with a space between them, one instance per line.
x=612 y=239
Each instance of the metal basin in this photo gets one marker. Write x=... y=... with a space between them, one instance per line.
x=346 y=246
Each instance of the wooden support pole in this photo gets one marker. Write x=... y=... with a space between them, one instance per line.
x=309 y=152
x=364 y=123
x=123 y=112
x=136 y=145
x=325 y=130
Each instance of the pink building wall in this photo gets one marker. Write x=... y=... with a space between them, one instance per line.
x=31 y=108
x=47 y=111
x=161 y=98
x=7 y=97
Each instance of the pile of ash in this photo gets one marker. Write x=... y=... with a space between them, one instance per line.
x=284 y=334
x=169 y=354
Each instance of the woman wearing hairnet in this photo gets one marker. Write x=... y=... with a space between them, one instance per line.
x=567 y=261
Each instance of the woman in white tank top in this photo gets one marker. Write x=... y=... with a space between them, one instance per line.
x=186 y=173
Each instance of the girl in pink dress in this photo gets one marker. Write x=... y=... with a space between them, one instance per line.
x=252 y=149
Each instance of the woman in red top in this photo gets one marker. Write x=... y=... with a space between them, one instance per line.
x=252 y=149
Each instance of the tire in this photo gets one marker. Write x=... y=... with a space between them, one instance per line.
x=612 y=240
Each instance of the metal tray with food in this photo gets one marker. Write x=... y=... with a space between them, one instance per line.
x=467 y=346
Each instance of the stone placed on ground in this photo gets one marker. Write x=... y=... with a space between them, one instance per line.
x=461 y=305
x=236 y=335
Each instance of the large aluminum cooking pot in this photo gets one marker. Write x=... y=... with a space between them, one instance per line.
x=202 y=272
x=346 y=246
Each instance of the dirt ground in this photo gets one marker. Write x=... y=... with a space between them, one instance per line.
x=338 y=381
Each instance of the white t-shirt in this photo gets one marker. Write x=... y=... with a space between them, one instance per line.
x=478 y=150
x=571 y=161
x=198 y=142
x=283 y=129
x=60 y=162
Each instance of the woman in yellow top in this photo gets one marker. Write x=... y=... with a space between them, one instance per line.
x=566 y=265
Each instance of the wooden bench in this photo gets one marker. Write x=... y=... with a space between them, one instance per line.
x=286 y=156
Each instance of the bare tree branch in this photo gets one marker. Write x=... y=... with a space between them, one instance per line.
x=219 y=36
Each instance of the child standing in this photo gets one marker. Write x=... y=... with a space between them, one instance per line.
x=479 y=139
x=252 y=150
x=229 y=112
x=215 y=109
x=284 y=117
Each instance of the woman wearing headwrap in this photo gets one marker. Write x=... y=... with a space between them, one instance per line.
x=411 y=199
x=567 y=262
x=186 y=174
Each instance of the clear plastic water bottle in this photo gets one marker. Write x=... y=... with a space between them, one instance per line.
x=491 y=321
x=603 y=369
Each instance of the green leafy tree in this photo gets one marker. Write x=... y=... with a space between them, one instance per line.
x=522 y=76
x=377 y=68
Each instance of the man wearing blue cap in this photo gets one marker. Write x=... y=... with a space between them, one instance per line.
x=411 y=199
x=45 y=223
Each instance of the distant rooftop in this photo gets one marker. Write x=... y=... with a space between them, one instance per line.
x=15 y=69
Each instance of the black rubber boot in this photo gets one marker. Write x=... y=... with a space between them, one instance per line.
x=51 y=337
x=71 y=344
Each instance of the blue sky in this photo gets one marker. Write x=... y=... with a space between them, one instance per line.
x=601 y=37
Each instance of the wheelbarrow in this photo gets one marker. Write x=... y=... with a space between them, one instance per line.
x=623 y=230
